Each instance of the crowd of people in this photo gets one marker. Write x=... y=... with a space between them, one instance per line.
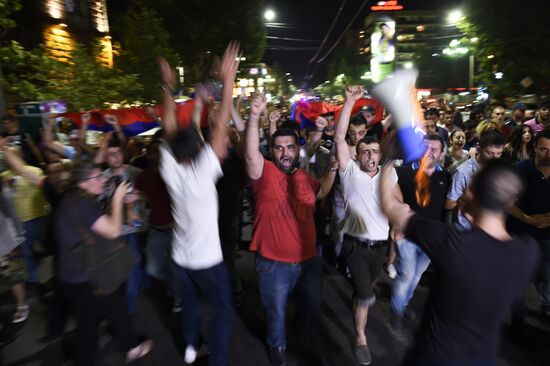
x=477 y=206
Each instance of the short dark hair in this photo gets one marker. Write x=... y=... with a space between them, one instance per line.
x=328 y=114
x=367 y=140
x=291 y=124
x=491 y=138
x=432 y=111
x=468 y=124
x=284 y=132
x=435 y=137
x=497 y=185
x=186 y=143
x=544 y=134
x=81 y=170
x=358 y=120
x=544 y=104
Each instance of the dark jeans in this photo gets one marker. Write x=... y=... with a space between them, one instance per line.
x=136 y=277
x=213 y=284
x=276 y=281
x=89 y=310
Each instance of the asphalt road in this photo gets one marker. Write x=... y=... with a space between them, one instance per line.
x=21 y=345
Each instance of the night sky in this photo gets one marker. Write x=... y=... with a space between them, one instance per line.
x=310 y=20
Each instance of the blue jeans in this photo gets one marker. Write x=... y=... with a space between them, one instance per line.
x=136 y=276
x=544 y=279
x=158 y=260
x=411 y=263
x=32 y=233
x=276 y=281
x=212 y=283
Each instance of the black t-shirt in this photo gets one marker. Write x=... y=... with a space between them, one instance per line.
x=534 y=200
x=74 y=213
x=439 y=185
x=477 y=279
x=376 y=130
x=21 y=140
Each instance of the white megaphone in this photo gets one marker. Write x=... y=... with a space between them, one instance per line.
x=395 y=93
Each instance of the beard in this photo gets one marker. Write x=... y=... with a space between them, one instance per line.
x=287 y=165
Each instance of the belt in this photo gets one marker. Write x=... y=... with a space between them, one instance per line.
x=162 y=229
x=367 y=243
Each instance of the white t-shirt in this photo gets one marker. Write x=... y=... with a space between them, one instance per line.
x=364 y=217
x=192 y=189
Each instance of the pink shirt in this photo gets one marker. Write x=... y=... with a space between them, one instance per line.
x=537 y=127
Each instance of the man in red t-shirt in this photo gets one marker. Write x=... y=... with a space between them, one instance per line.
x=284 y=231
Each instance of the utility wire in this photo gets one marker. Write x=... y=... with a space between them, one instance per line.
x=322 y=45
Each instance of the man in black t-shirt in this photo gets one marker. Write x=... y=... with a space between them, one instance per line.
x=411 y=259
x=20 y=139
x=531 y=214
x=479 y=272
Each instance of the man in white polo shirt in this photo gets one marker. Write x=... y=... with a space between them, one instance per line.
x=366 y=228
x=190 y=169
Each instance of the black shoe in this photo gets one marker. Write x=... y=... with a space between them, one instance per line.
x=409 y=314
x=278 y=356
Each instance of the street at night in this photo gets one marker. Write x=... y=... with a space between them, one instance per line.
x=274 y=182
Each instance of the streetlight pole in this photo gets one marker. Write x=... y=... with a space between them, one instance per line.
x=471 y=72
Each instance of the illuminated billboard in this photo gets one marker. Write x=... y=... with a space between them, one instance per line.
x=382 y=49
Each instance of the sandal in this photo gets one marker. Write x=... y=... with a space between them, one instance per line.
x=21 y=314
x=139 y=351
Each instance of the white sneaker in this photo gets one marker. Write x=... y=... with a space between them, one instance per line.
x=392 y=272
x=21 y=314
x=190 y=354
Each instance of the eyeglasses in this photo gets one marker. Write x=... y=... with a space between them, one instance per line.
x=93 y=177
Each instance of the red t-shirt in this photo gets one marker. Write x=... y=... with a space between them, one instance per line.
x=151 y=184
x=284 y=227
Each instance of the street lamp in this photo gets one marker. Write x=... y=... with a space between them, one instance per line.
x=455 y=49
x=455 y=16
x=269 y=15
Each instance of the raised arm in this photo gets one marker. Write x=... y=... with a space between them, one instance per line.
x=328 y=179
x=99 y=157
x=49 y=140
x=237 y=119
x=397 y=212
x=113 y=121
x=253 y=157
x=169 y=121
x=352 y=93
x=18 y=165
x=314 y=138
x=110 y=225
x=219 y=135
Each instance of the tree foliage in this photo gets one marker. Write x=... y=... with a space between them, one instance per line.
x=84 y=83
x=143 y=38
x=7 y=8
x=346 y=68
x=515 y=35
x=203 y=28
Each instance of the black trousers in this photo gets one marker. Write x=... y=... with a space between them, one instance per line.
x=89 y=311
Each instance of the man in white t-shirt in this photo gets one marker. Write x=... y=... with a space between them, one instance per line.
x=366 y=228
x=190 y=169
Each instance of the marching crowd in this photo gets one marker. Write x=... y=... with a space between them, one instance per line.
x=476 y=206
